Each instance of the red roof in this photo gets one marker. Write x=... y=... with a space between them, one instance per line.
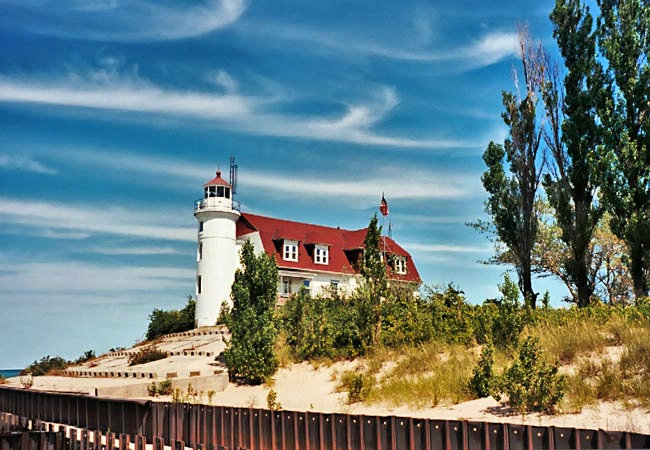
x=217 y=181
x=343 y=244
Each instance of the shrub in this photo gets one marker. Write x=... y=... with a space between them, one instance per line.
x=147 y=354
x=530 y=384
x=250 y=355
x=321 y=326
x=501 y=320
x=405 y=320
x=174 y=321
x=272 y=401
x=483 y=377
x=452 y=317
x=163 y=388
x=360 y=386
x=85 y=357
x=46 y=365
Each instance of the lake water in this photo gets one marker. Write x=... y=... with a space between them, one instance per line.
x=8 y=373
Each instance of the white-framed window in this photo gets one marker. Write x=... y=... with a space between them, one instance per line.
x=286 y=286
x=290 y=250
x=199 y=252
x=321 y=254
x=400 y=265
x=201 y=227
x=306 y=283
x=198 y=284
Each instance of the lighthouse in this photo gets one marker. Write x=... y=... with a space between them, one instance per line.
x=217 y=214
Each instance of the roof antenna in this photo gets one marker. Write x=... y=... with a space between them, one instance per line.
x=233 y=176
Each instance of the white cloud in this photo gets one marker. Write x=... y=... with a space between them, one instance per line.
x=222 y=79
x=446 y=248
x=74 y=276
x=133 y=20
x=488 y=49
x=42 y=216
x=24 y=163
x=362 y=188
x=105 y=90
x=133 y=250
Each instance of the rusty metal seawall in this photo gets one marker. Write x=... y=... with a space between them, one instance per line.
x=211 y=426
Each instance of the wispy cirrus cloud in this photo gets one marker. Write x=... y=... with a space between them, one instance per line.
x=446 y=248
x=75 y=276
x=79 y=219
x=357 y=123
x=489 y=48
x=359 y=189
x=135 y=251
x=130 y=21
x=24 y=163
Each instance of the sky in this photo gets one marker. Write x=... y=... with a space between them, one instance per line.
x=113 y=114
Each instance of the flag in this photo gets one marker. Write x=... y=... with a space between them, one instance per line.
x=383 y=206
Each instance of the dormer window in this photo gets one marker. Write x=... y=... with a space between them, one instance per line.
x=400 y=265
x=290 y=250
x=321 y=254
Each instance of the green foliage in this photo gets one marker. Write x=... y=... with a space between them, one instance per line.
x=174 y=321
x=272 y=401
x=483 y=377
x=375 y=285
x=623 y=107
x=501 y=321
x=360 y=386
x=146 y=355
x=250 y=356
x=511 y=201
x=45 y=365
x=321 y=326
x=531 y=384
x=224 y=313
x=85 y=357
x=452 y=317
x=575 y=144
x=405 y=320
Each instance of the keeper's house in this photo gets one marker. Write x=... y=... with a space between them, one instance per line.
x=309 y=256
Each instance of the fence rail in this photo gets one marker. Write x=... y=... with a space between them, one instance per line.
x=203 y=426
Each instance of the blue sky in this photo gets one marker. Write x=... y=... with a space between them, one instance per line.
x=113 y=113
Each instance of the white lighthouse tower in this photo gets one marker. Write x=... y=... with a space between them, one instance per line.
x=217 y=257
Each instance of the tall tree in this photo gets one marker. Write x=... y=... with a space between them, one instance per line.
x=573 y=137
x=624 y=109
x=375 y=286
x=250 y=355
x=511 y=201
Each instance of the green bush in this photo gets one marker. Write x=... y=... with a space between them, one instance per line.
x=360 y=386
x=145 y=355
x=452 y=317
x=85 y=357
x=530 y=384
x=502 y=320
x=163 y=322
x=46 y=365
x=482 y=381
x=405 y=320
x=250 y=355
x=163 y=388
x=272 y=401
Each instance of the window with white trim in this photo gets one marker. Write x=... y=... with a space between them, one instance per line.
x=400 y=265
x=321 y=254
x=290 y=250
x=198 y=284
x=199 y=252
x=286 y=286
